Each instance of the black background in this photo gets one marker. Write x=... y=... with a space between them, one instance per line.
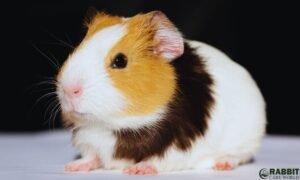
x=261 y=37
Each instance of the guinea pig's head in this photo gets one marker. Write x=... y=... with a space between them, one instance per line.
x=121 y=69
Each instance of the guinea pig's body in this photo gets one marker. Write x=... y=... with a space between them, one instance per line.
x=180 y=105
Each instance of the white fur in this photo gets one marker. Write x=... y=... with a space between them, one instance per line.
x=87 y=68
x=136 y=122
x=236 y=126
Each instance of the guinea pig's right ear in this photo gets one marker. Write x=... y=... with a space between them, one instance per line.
x=168 y=41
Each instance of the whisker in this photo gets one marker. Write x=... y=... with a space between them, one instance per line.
x=48 y=78
x=52 y=63
x=46 y=89
x=59 y=40
x=53 y=115
x=51 y=105
x=69 y=39
x=55 y=59
x=47 y=82
x=56 y=112
x=44 y=96
x=37 y=86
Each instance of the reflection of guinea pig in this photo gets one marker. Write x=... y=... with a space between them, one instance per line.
x=144 y=100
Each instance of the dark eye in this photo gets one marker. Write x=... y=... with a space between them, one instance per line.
x=119 y=62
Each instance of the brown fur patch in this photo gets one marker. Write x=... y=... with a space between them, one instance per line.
x=185 y=120
x=148 y=81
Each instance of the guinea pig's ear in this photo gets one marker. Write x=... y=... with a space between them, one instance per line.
x=168 y=40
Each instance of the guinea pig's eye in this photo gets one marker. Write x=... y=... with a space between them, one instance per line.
x=119 y=62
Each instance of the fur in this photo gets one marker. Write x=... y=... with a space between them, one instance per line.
x=179 y=112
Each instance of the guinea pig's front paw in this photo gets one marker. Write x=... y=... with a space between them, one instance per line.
x=83 y=165
x=140 y=169
x=226 y=163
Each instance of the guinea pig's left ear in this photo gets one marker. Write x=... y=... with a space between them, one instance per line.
x=168 y=41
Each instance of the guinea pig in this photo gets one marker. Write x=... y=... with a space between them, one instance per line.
x=142 y=99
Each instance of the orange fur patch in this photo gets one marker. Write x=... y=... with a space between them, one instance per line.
x=100 y=21
x=148 y=81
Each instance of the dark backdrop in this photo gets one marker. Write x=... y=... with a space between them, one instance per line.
x=258 y=36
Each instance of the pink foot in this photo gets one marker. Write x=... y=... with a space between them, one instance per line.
x=83 y=165
x=226 y=163
x=140 y=169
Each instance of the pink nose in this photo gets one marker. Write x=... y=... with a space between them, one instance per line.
x=73 y=91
